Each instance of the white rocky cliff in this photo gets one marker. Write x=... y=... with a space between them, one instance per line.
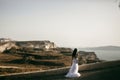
x=6 y=44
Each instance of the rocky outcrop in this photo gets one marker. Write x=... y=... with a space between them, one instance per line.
x=6 y=44
x=3 y=40
x=46 y=45
x=63 y=49
x=87 y=57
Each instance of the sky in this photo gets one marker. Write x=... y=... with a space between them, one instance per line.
x=68 y=23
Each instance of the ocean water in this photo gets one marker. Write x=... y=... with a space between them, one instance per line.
x=108 y=55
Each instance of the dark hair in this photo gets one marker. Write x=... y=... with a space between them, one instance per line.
x=74 y=54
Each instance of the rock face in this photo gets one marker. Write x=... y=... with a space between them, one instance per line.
x=6 y=44
x=87 y=57
x=64 y=50
x=3 y=40
x=46 y=45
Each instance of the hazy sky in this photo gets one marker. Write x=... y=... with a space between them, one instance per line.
x=68 y=23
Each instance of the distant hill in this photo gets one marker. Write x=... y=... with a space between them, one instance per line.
x=102 y=48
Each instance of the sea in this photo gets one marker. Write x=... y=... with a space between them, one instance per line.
x=108 y=55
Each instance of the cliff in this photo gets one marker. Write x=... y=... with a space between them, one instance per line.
x=6 y=44
x=36 y=44
x=87 y=57
x=63 y=49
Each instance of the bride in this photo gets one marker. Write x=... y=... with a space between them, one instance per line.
x=73 y=72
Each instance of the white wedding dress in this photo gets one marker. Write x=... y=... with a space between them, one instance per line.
x=73 y=72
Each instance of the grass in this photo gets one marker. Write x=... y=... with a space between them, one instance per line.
x=41 y=61
x=67 y=54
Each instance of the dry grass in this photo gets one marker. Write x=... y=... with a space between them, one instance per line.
x=49 y=61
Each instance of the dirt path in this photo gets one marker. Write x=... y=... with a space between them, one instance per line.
x=112 y=73
x=100 y=71
x=102 y=74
